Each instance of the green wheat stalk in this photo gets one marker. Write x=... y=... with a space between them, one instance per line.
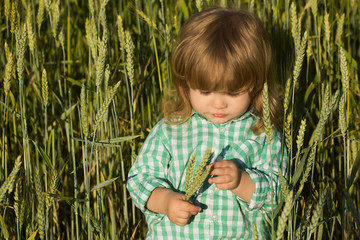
x=146 y=19
x=19 y=204
x=44 y=88
x=342 y=115
x=300 y=139
x=327 y=32
x=9 y=69
x=344 y=70
x=194 y=182
x=129 y=48
x=352 y=208
x=7 y=10
x=20 y=35
x=325 y=111
x=287 y=130
x=255 y=231
x=199 y=5
x=41 y=204
x=91 y=7
x=287 y=95
x=283 y=185
x=93 y=221
x=251 y=5
x=84 y=112
x=105 y=105
x=339 y=29
x=284 y=215
x=9 y=183
x=304 y=222
x=307 y=170
x=40 y=15
x=314 y=8
x=121 y=33
x=299 y=59
x=30 y=32
x=52 y=189
x=318 y=210
x=266 y=113
x=295 y=26
x=100 y=61
x=92 y=36
x=55 y=11
x=13 y=16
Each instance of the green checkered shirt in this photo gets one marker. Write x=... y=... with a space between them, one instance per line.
x=162 y=162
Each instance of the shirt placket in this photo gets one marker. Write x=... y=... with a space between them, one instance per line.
x=221 y=139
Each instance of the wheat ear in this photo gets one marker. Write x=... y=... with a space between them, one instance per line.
x=105 y=105
x=300 y=138
x=19 y=203
x=13 y=16
x=41 y=204
x=129 y=48
x=283 y=185
x=31 y=34
x=9 y=183
x=84 y=112
x=284 y=215
x=342 y=115
x=7 y=9
x=287 y=131
x=9 y=68
x=196 y=182
x=121 y=33
x=339 y=30
x=319 y=207
x=255 y=232
x=146 y=18
x=44 y=88
x=344 y=70
x=40 y=15
x=189 y=172
x=266 y=114
x=199 y=5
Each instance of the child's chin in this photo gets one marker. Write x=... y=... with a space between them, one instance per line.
x=219 y=121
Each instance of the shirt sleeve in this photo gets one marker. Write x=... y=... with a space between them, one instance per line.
x=149 y=170
x=265 y=173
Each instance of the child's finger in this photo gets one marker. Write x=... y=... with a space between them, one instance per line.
x=219 y=171
x=192 y=208
x=220 y=179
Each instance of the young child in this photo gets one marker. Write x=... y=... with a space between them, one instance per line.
x=220 y=63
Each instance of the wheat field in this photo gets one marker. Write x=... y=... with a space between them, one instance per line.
x=82 y=82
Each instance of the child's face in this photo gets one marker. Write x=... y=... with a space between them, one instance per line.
x=219 y=107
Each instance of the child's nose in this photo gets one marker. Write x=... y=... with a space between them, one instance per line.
x=219 y=102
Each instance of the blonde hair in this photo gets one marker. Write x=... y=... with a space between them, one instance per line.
x=222 y=50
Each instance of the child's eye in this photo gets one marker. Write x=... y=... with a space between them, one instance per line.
x=204 y=92
x=235 y=94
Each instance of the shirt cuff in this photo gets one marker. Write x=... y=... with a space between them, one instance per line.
x=262 y=193
x=144 y=190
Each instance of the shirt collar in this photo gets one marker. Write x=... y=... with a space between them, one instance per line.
x=242 y=117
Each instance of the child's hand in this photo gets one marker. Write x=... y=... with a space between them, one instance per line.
x=178 y=210
x=228 y=175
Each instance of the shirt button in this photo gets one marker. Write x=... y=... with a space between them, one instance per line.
x=222 y=129
x=214 y=217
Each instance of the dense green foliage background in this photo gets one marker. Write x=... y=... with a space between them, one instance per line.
x=82 y=85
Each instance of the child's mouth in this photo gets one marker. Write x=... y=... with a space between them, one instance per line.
x=219 y=115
